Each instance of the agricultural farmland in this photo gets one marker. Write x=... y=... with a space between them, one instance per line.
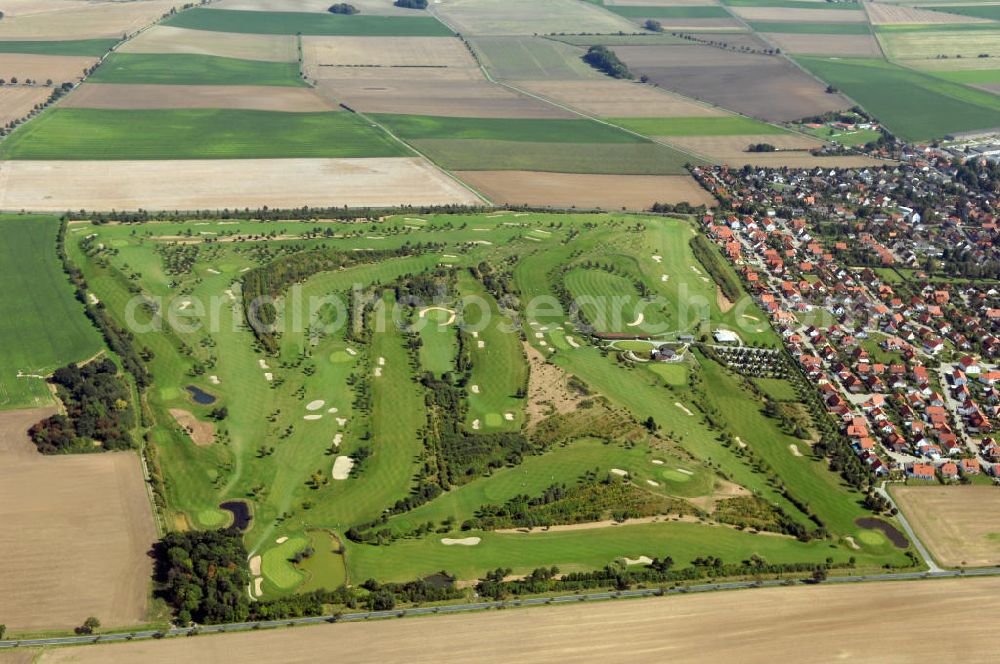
x=305 y=23
x=970 y=537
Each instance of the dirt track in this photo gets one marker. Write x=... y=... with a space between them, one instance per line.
x=76 y=532
x=252 y=97
x=803 y=624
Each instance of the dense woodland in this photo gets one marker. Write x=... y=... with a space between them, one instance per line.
x=98 y=415
x=604 y=59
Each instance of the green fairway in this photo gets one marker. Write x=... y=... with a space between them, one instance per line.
x=730 y=125
x=891 y=92
x=439 y=342
x=77 y=133
x=42 y=326
x=550 y=131
x=186 y=69
x=611 y=303
x=292 y=23
x=811 y=28
x=91 y=47
x=610 y=158
x=647 y=11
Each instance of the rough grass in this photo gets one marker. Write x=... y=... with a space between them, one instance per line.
x=731 y=125
x=186 y=69
x=88 y=47
x=77 y=133
x=811 y=28
x=42 y=326
x=292 y=23
x=891 y=92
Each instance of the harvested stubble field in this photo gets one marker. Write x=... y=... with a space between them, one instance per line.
x=17 y=102
x=58 y=68
x=76 y=536
x=533 y=58
x=883 y=14
x=86 y=21
x=818 y=15
x=747 y=626
x=789 y=27
x=165 y=39
x=247 y=97
x=529 y=17
x=207 y=184
x=860 y=46
x=187 y=69
x=761 y=86
x=959 y=525
x=409 y=52
x=583 y=191
x=929 y=44
x=621 y=99
x=732 y=150
x=306 y=23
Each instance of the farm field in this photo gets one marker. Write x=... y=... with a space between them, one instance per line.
x=57 y=68
x=681 y=126
x=16 y=103
x=969 y=536
x=811 y=28
x=890 y=92
x=78 y=21
x=165 y=39
x=611 y=98
x=985 y=10
x=880 y=13
x=186 y=69
x=157 y=96
x=793 y=151
x=930 y=45
x=84 y=47
x=527 y=17
x=760 y=86
x=36 y=293
x=305 y=23
x=93 y=505
x=219 y=183
x=406 y=52
x=859 y=46
x=812 y=13
x=533 y=58
x=80 y=133
x=375 y=7
x=686 y=628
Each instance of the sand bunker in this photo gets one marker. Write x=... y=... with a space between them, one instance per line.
x=795 y=450
x=652 y=483
x=451 y=317
x=474 y=389
x=378 y=371
x=331 y=410
x=509 y=417
x=638 y=320
x=214 y=380
x=257 y=590
x=480 y=344
x=212 y=270
x=641 y=560
x=683 y=407
x=381 y=361
x=684 y=471
x=664 y=277
x=342 y=467
x=268 y=376
x=255 y=565
x=281 y=540
x=475 y=425
x=619 y=472
x=658 y=259
x=263 y=364
x=657 y=462
x=338 y=439
x=850 y=542
x=341 y=421
x=312 y=417
x=465 y=541
x=315 y=405
x=572 y=342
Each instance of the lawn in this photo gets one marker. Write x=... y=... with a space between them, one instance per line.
x=411 y=127
x=42 y=326
x=730 y=125
x=79 y=133
x=811 y=28
x=91 y=47
x=305 y=23
x=891 y=92
x=187 y=69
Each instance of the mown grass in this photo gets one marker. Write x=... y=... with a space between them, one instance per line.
x=891 y=93
x=811 y=28
x=413 y=127
x=79 y=133
x=91 y=47
x=188 y=69
x=42 y=326
x=305 y=23
x=730 y=125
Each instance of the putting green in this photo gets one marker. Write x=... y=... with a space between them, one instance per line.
x=341 y=357
x=211 y=518
x=276 y=567
x=675 y=475
x=871 y=537
x=494 y=419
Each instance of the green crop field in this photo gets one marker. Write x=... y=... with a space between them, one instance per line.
x=42 y=326
x=532 y=58
x=891 y=92
x=794 y=4
x=185 y=69
x=608 y=158
x=971 y=76
x=650 y=39
x=730 y=125
x=444 y=420
x=647 y=11
x=811 y=28
x=412 y=127
x=936 y=27
x=77 y=133
x=941 y=44
x=92 y=47
x=292 y=23
x=989 y=11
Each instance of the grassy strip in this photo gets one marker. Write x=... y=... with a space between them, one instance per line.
x=786 y=27
x=304 y=23
x=80 y=133
x=412 y=127
x=732 y=125
x=188 y=69
x=92 y=47
x=714 y=264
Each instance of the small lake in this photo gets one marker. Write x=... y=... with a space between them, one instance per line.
x=200 y=396
x=895 y=536
x=240 y=511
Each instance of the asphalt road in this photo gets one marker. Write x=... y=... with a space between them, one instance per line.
x=483 y=606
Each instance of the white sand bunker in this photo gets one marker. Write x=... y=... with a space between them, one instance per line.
x=542 y=343
x=509 y=417
x=338 y=439
x=268 y=376
x=539 y=335
x=212 y=270
x=312 y=417
x=93 y=298
x=475 y=425
x=795 y=450
x=332 y=410
x=341 y=421
x=641 y=560
x=378 y=371
x=315 y=405
x=657 y=462
x=572 y=342
x=684 y=471
x=255 y=565
x=342 y=467
x=451 y=312
x=351 y=351
x=694 y=269
x=464 y=541
x=638 y=320
x=740 y=442
x=230 y=294
x=474 y=389
x=664 y=277
x=263 y=364
x=381 y=361
x=481 y=344
x=281 y=540
x=257 y=590
x=619 y=472
x=851 y=543
x=658 y=259
x=214 y=380
x=652 y=483
x=683 y=407
x=186 y=304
